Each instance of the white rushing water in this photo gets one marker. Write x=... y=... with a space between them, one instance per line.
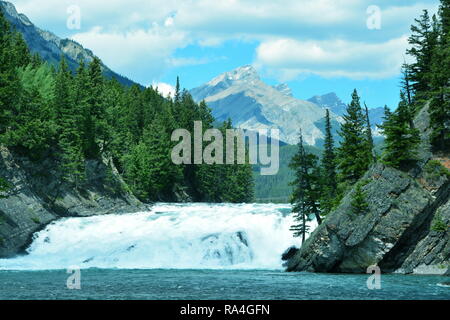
x=169 y=236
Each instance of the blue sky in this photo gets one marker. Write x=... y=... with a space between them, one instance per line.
x=315 y=46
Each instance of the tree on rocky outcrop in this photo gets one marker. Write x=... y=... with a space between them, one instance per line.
x=369 y=137
x=306 y=193
x=328 y=169
x=402 y=139
x=423 y=41
x=353 y=154
x=440 y=83
x=359 y=203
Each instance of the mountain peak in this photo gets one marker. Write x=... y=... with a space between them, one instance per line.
x=284 y=89
x=244 y=73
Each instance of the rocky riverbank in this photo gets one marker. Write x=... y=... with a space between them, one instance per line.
x=38 y=195
x=405 y=229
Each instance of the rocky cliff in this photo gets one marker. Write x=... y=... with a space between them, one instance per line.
x=38 y=195
x=405 y=229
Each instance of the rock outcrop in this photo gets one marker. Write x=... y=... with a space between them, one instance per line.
x=404 y=230
x=37 y=196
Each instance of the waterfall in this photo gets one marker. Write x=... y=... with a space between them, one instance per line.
x=194 y=236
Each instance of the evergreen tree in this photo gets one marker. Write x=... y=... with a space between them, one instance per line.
x=359 y=203
x=95 y=122
x=149 y=168
x=401 y=139
x=329 y=180
x=440 y=85
x=10 y=87
x=306 y=192
x=353 y=154
x=423 y=41
x=370 y=144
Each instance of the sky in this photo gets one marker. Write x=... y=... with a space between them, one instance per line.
x=316 y=47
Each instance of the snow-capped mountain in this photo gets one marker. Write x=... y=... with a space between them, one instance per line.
x=252 y=104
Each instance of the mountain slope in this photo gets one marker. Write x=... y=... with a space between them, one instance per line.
x=332 y=102
x=252 y=104
x=49 y=46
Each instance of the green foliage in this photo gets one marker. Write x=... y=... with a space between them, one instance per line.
x=428 y=76
x=359 y=203
x=276 y=188
x=434 y=170
x=438 y=224
x=354 y=154
x=36 y=220
x=329 y=174
x=4 y=186
x=402 y=138
x=306 y=194
x=80 y=116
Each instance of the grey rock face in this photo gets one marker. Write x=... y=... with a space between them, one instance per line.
x=394 y=234
x=50 y=47
x=38 y=196
x=397 y=232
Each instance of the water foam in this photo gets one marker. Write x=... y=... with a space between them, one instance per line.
x=169 y=236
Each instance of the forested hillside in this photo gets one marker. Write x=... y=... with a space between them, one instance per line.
x=75 y=117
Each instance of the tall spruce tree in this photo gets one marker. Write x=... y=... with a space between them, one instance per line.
x=306 y=193
x=401 y=139
x=440 y=84
x=423 y=41
x=68 y=106
x=369 y=137
x=353 y=154
x=329 y=177
x=10 y=87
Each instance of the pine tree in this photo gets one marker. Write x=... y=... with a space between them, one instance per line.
x=68 y=106
x=423 y=41
x=95 y=122
x=10 y=87
x=406 y=83
x=353 y=154
x=439 y=109
x=305 y=196
x=369 y=137
x=177 y=97
x=359 y=203
x=329 y=180
x=401 y=139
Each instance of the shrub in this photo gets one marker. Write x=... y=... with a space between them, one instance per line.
x=438 y=224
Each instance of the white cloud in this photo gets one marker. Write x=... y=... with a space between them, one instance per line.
x=287 y=58
x=139 y=38
x=166 y=89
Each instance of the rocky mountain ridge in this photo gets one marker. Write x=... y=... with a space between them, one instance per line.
x=241 y=95
x=49 y=46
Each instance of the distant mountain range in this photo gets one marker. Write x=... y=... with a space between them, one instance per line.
x=332 y=101
x=252 y=104
x=49 y=46
x=241 y=95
